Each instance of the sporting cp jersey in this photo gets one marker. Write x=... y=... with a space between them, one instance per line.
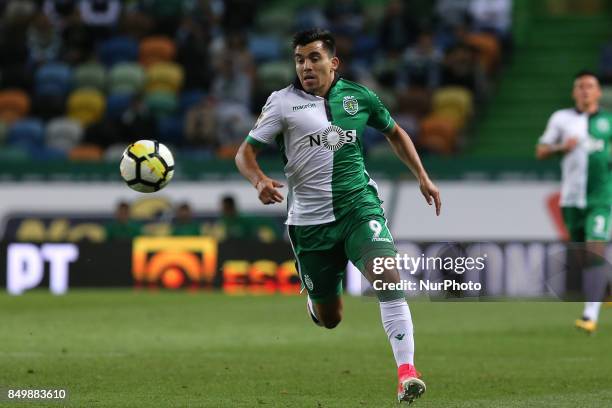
x=320 y=139
x=586 y=179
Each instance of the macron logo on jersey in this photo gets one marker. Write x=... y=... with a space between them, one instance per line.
x=333 y=138
x=306 y=106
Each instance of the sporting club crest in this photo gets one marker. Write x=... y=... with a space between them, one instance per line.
x=603 y=125
x=308 y=282
x=350 y=105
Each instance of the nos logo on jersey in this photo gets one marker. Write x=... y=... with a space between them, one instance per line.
x=333 y=138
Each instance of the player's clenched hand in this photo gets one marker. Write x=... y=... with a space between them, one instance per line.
x=569 y=144
x=431 y=193
x=268 y=194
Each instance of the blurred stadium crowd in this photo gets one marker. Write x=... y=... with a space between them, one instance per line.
x=80 y=79
x=179 y=220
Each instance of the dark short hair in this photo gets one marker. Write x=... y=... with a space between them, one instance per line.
x=228 y=200
x=586 y=72
x=316 y=34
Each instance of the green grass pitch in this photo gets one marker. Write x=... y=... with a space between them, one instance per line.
x=125 y=349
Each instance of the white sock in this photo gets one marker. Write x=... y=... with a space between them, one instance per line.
x=591 y=310
x=397 y=321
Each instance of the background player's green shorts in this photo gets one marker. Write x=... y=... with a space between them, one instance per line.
x=322 y=251
x=587 y=224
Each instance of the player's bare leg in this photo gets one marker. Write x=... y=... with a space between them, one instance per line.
x=326 y=314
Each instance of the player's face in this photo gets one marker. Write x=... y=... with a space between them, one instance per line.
x=586 y=91
x=315 y=67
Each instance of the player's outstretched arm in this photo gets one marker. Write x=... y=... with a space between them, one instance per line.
x=246 y=161
x=544 y=151
x=405 y=150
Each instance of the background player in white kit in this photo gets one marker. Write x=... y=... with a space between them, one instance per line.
x=582 y=135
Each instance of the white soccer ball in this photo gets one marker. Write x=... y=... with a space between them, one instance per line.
x=147 y=166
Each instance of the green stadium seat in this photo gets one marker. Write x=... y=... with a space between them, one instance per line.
x=90 y=75
x=161 y=103
x=14 y=153
x=126 y=77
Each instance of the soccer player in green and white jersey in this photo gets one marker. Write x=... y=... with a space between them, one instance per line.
x=334 y=211
x=582 y=135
